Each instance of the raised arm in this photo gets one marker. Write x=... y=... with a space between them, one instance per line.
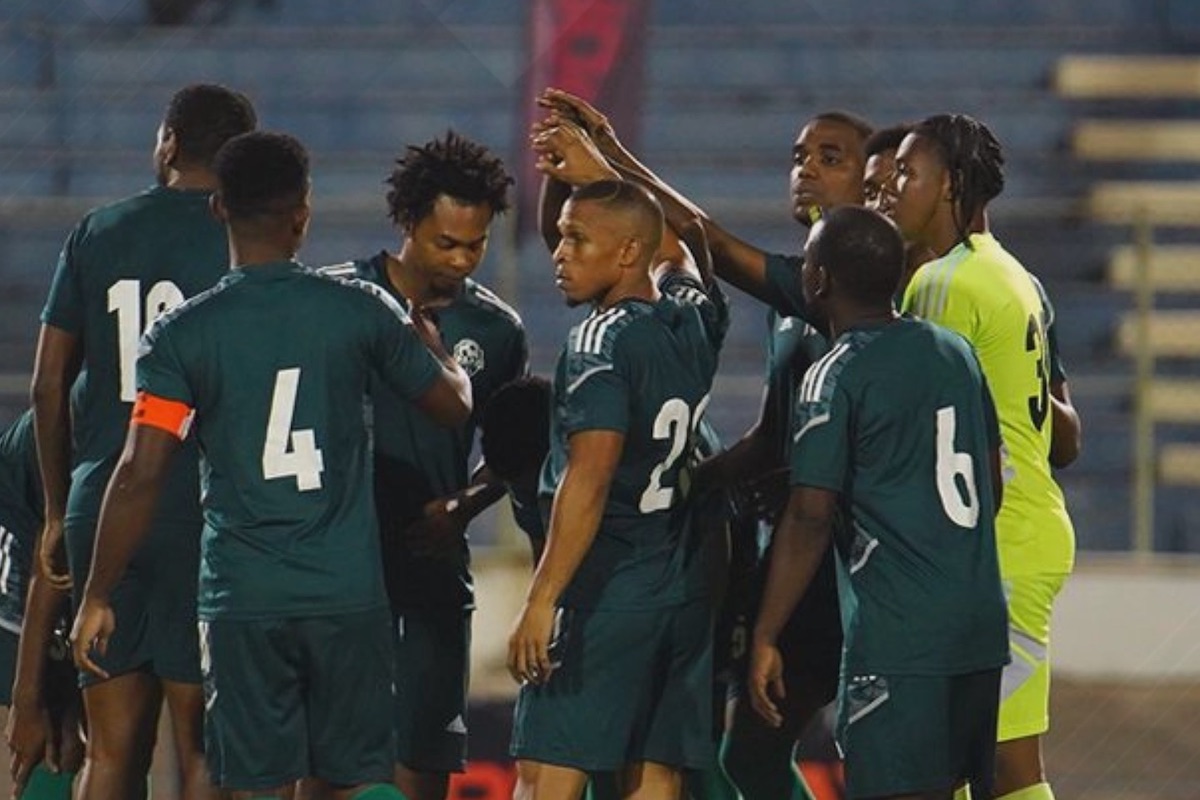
x=734 y=260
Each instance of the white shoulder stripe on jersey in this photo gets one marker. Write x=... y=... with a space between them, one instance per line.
x=486 y=295
x=344 y=270
x=591 y=335
x=575 y=384
x=817 y=373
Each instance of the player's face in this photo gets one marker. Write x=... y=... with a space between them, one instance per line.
x=827 y=169
x=449 y=242
x=587 y=259
x=877 y=195
x=920 y=185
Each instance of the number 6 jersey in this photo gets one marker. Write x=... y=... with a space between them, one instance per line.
x=274 y=362
x=896 y=419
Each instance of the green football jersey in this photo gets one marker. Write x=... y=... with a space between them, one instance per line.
x=275 y=361
x=121 y=267
x=416 y=460
x=784 y=295
x=20 y=517
x=897 y=420
x=645 y=370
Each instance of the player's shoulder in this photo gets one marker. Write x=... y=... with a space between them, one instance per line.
x=482 y=300
x=356 y=282
x=603 y=333
x=131 y=211
x=192 y=310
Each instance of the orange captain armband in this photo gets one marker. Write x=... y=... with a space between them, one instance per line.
x=171 y=416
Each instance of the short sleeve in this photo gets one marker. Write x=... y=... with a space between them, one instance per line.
x=821 y=441
x=712 y=303
x=596 y=395
x=783 y=286
x=64 y=305
x=401 y=359
x=160 y=371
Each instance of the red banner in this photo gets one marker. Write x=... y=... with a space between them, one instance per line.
x=594 y=49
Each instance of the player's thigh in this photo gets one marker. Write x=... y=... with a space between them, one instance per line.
x=122 y=714
x=255 y=721
x=592 y=713
x=432 y=676
x=1025 y=687
x=348 y=673
x=677 y=728
x=916 y=734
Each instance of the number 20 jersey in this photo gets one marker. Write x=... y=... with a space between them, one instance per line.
x=120 y=267
x=984 y=294
x=645 y=370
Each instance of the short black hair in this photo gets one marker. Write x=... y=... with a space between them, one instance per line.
x=515 y=427
x=261 y=173
x=627 y=198
x=888 y=138
x=862 y=250
x=454 y=166
x=203 y=116
x=860 y=125
x=972 y=155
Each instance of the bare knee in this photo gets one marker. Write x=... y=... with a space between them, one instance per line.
x=1019 y=764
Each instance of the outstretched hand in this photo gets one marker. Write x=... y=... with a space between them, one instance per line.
x=579 y=111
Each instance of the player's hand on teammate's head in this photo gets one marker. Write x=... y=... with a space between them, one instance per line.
x=579 y=111
x=565 y=152
x=52 y=556
x=765 y=677
x=94 y=624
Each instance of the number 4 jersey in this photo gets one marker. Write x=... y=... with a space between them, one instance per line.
x=275 y=361
x=985 y=294
x=643 y=369
x=123 y=265
x=896 y=419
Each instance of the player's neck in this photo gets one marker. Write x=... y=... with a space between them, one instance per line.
x=245 y=254
x=946 y=235
x=408 y=279
x=633 y=290
x=191 y=180
x=850 y=316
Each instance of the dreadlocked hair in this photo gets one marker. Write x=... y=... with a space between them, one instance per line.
x=973 y=157
x=452 y=165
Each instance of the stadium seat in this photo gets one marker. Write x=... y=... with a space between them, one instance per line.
x=1172 y=334
x=1173 y=268
x=1165 y=203
x=1179 y=464
x=1137 y=140
x=1124 y=76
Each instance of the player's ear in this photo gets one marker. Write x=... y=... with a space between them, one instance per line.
x=631 y=252
x=217 y=207
x=822 y=282
x=948 y=193
x=168 y=146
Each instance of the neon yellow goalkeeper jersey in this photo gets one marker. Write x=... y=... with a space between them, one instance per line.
x=985 y=294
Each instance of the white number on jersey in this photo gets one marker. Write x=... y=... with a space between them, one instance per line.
x=677 y=422
x=7 y=539
x=951 y=465
x=124 y=300
x=287 y=452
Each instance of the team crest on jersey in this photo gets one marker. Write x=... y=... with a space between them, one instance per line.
x=469 y=356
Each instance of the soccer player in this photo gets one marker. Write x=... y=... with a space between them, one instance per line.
x=273 y=363
x=617 y=692
x=121 y=266
x=947 y=170
x=444 y=195
x=37 y=686
x=827 y=170
x=907 y=472
x=514 y=437
x=828 y=162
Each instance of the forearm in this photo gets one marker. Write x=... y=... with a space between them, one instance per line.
x=468 y=503
x=43 y=606
x=52 y=431
x=124 y=523
x=1066 y=431
x=748 y=458
x=799 y=545
x=574 y=522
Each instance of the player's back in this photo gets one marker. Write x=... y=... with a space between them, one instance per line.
x=644 y=369
x=987 y=296
x=123 y=265
x=918 y=542
x=275 y=360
